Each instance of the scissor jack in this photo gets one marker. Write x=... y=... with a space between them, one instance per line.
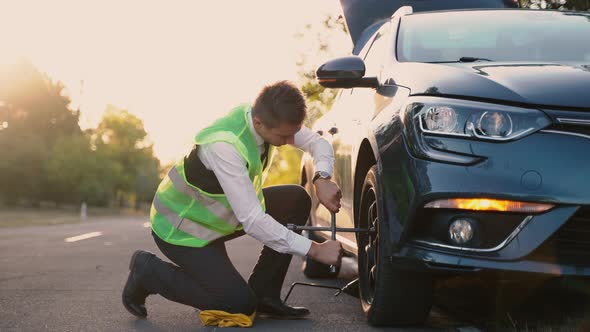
x=350 y=288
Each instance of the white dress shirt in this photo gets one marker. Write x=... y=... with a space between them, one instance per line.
x=230 y=169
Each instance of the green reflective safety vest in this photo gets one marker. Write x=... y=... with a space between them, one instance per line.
x=185 y=215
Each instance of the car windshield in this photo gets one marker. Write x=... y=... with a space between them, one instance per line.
x=494 y=35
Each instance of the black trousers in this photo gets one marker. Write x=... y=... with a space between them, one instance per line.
x=206 y=279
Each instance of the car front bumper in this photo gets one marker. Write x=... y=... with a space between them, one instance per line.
x=545 y=167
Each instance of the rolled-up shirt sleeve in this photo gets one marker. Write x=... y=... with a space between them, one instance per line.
x=231 y=171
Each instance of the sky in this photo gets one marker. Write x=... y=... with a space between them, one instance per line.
x=176 y=65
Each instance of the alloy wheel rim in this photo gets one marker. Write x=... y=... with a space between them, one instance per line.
x=371 y=249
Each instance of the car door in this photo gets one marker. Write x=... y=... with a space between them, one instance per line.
x=334 y=128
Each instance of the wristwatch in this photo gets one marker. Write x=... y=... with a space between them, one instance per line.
x=321 y=175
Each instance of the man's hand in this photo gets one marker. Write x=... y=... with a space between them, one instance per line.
x=328 y=252
x=329 y=194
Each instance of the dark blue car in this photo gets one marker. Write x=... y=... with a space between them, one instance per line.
x=462 y=144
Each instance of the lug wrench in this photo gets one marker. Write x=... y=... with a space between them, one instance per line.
x=333 y=229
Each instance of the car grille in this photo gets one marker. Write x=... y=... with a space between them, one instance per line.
x=570 y=244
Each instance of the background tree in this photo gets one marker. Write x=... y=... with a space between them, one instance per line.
x=319 y=42
x=33 y=114
x=47 y=157
x=77 y=173
x=122 y=138
x=581 y=5
x=325 y=40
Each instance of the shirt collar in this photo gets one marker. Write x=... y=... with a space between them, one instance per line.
x=259 y=140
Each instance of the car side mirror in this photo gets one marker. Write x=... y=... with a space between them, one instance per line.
x=345 y=72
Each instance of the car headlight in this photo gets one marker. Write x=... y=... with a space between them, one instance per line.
x=435 y=116
x=478 y=120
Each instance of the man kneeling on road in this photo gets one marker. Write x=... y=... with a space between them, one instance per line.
x=215 y=194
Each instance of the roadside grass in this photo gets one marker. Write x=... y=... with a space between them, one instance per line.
x=23 y=217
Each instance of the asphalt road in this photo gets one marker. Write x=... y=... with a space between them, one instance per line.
x=48 y=283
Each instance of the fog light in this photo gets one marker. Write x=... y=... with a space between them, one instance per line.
x=461 y=230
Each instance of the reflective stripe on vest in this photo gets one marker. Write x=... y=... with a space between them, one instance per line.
x=185 y=225
x=215 y=207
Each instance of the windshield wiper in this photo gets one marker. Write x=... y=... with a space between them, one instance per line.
x=472 y=59
x=462 y=59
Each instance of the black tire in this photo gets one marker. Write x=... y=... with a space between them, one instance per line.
x=389 y=296
x=316 y=270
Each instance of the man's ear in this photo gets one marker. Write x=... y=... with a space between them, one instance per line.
x=256 y=122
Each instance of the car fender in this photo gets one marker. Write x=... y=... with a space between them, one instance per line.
x=384 y=140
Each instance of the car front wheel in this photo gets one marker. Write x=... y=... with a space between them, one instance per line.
x=389 y=296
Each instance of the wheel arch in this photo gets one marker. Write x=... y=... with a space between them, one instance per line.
x=364 y=161
x=368 y=157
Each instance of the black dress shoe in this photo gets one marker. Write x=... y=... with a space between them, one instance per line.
x=134 y=294
x=275 y=308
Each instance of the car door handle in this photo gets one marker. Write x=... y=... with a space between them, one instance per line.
x=333 y=130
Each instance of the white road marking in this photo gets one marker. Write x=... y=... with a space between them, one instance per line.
x=146 y=224
x=83 y=237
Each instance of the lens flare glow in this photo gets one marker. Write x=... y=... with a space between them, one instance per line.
x=495 y=124
x=461 y=231
x=441 y=118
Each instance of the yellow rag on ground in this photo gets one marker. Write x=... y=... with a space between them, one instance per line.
x=225 y=319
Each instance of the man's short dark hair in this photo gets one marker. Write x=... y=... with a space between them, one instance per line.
x=278 y=103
